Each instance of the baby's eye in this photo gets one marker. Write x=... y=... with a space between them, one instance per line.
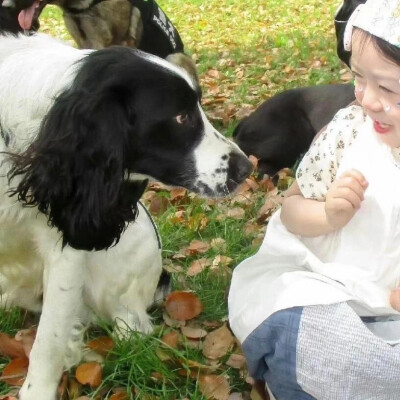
x=385 y=89
x=182 y=118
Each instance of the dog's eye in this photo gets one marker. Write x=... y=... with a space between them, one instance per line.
x=182 y=118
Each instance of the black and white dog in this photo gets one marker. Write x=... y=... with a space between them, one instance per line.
x=283 y=127
x=81 y=131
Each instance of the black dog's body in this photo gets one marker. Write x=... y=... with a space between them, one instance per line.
x=283 y=127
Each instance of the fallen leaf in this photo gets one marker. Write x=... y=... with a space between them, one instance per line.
x=172 y=268
x=15 y=371
x=266 y=184
x=197 y=246
x=9 y=347
x=177 y=194
x=214 y=73
x=266 y=210
x=221 y=261
x=218 y=244
x=254 y=161
x=27 y=338
x=89 y=374
x=101 y=345
x=62 y=386
x=198 y=266
x=193 y=333
x=236 y=361
x=183 y=305
x=217 y=343
x=214 y=387
x=235 y=396
x=74 y=389
x=158 y=205
x=119 y=396
x=171 y=339
x=173 y=323
x=236 y=213
x=253 y=185
x=250 y=228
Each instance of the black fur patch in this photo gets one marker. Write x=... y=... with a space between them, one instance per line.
x=118 y=117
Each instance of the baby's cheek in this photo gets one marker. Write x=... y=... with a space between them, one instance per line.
x=359 y=93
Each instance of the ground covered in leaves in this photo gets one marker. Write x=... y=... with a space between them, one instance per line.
x=246 y=52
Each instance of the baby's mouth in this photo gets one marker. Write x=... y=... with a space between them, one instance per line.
x=381 y=127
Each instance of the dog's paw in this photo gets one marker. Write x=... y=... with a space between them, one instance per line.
x=32 y=390
x=133 y=322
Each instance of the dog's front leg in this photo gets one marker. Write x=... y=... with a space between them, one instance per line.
x=62 y=312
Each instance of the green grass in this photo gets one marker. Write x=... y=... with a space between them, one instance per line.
x=246 y=52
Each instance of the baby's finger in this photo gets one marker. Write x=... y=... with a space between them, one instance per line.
x=351 y=183
x=349 y=195
x=353 y=173
x=395 y=299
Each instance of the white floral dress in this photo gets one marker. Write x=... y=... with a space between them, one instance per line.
x=358 y=264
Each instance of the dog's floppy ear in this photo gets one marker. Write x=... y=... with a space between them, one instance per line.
x=74 y=170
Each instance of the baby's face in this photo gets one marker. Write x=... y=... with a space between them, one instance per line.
x=377 y=88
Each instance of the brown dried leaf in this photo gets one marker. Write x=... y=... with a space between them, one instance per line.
x=15 y=371
x=221 y=261
x=89 y=374
x=214 y=387
x=101 y=345
x=10 y=347
x=120 y=396
x=252 y=184
x=244 y=111
x=149 y=195
x=236 y=361
x=158 y=205
x=173 y=323
x=254 y=161
x=236 y=213
x=171 y=339
x=250 y=228
x=177 y=194
x=193 y=333
x=197 y=247
x=26 y=337
x=218 y=244
x=183 y=305
x=266 y=210
x=62 y=386
x=74 y=388
x=235 y=396
x=169 y=266
x=217 y=343
x=197 y=222
x=266 y=184
x=213 y=73
x=198 y=266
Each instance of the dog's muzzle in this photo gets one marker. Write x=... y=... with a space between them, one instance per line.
x=239 y=168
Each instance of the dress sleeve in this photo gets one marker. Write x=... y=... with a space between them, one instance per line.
x=317 y=170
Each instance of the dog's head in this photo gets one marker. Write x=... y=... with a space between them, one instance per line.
x=127 y=116
x=20 y=15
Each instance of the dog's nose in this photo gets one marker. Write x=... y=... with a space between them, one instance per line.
x=240 y=167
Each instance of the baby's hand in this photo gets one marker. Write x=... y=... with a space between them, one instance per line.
x=395 y=299
x=344 y=198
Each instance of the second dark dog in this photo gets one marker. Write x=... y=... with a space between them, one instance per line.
x=97 y=24
x=283 y=127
